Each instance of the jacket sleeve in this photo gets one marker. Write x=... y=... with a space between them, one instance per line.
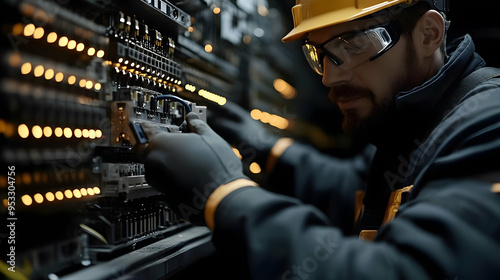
x=326 y=182
x=451 y=231
x=449 y=228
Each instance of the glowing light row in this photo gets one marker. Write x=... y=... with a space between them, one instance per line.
x=212 y=97
x=274 y=120
x=59 y=195
x=207 y=94
x=30 y=30
x=262 y=10
x=160 y=78
x=38 y=132
x=190 y=88
x=124 y=64
x=49 y=74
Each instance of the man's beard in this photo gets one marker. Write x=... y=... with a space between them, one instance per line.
x=384 y=110
x=353 y=124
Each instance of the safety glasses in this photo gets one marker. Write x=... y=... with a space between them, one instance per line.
x=351 y=49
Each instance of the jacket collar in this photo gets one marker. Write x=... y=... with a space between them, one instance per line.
x=418 y=102
x=416 y=111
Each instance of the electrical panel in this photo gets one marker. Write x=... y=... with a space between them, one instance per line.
x=78 y=77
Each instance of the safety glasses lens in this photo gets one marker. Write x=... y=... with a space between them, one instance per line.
x=314 y=58
x=354 y=49
x=350 y=50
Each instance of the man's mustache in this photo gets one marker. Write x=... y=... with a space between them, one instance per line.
x=347 y=92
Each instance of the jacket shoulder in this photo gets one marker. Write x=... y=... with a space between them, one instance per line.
x=466 y=141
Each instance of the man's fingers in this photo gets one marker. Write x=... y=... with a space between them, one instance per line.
x=196 y=125
x=151 y=130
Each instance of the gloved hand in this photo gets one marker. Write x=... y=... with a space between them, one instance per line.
x=253 y=140
x=188 y=167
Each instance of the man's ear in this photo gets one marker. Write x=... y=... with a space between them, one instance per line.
x=429 y=33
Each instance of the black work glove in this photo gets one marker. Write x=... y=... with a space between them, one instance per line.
x=188 y=167
x=252 y=139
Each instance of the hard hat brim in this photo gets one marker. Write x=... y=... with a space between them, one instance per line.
x=331 y=18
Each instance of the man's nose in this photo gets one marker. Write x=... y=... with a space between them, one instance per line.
x=334 y=75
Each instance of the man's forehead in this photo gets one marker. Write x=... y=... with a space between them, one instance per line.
x=319 y=36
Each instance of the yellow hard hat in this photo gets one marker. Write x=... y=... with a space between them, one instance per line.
x=309 y=15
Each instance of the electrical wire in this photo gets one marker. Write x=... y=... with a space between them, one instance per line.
x=175 y=98
x=94 y=233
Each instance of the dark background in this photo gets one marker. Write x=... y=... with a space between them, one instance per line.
x=481 y=20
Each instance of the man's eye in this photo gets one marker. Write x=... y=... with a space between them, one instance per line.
x=356 y=44
x=354 y=48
